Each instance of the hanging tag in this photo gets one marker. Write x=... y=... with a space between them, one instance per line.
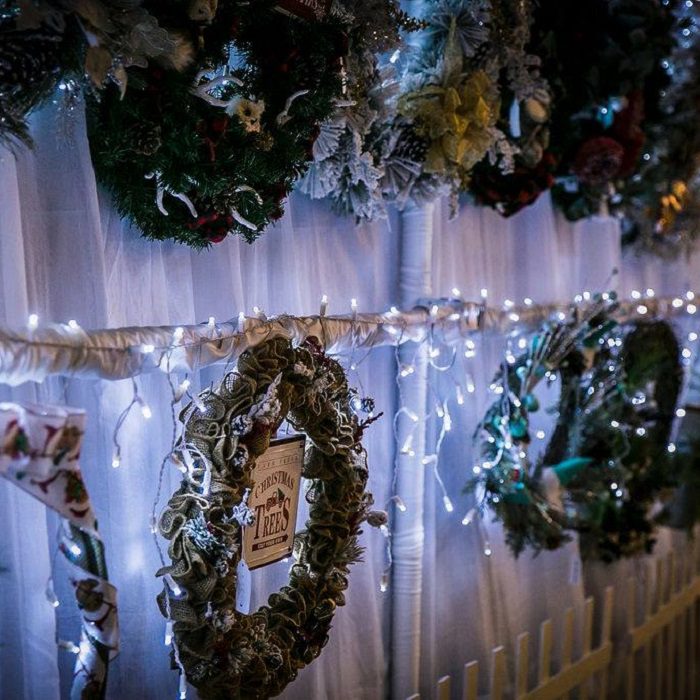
x=243 y=588
x=274 y=498
x=514 y=117
x=575 y=571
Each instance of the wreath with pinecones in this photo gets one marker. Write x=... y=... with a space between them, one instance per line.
x=224 y=653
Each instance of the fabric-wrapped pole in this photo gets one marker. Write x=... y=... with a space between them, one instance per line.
x=34 y=355
x=408 y=532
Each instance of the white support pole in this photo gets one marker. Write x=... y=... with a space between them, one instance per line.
x=408 y=535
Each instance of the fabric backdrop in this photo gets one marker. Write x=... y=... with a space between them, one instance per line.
x=65 y=254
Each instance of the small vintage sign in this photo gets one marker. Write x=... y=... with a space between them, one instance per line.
x=274 y=499
x=306 y=9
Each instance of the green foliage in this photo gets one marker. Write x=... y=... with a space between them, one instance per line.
x=627 y=438
x=200 y=150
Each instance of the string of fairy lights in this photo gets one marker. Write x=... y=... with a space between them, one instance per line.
x=448 y=332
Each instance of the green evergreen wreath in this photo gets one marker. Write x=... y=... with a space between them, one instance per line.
x=227 y=654
x=508 y=483
x=619 y=387
x=611 y=511
x=195 y=154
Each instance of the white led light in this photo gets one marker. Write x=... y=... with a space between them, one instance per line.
x=641 y=432
x=384 y=583
x=687 y=353
x=74 y=549
x=527 y=301
x=671 y=447
x=618 y=493
x=116 y=462
x=636 y=294
x=650 y=292
x=522 y=343
x=148 y=348
x=613 y=486
x=484 y=293
x=641 y=309
x=691 y=308
x=73 y=324
x=690 y=295
x=146 y=411
x=540 y=434
x=680 y=412
x=614 y=424
x=212 y=321
x=400 y=504
x=467 y=519
x=33 y=321
x=168 y=640
x=178 y=333
x=476 y=469
x=448 y=504
x=456 y=293
x=514 y=317
x=677 y=303
x=692 y=336
x=487 y=551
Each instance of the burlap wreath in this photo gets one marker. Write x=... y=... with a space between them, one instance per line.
x=227 y=654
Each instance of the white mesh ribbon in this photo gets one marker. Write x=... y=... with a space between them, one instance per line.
x=39 y=452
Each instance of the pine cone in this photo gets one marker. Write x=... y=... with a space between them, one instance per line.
x=147 y=139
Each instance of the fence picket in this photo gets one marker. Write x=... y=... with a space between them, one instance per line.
x=606 y=628
x=471 y=680
x=631 y=603
x=587 y=640
x=567 y=645
x=498 y=673
x=444 y=688
x=522 y=665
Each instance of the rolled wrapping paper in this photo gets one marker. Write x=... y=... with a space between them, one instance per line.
x=39 y=452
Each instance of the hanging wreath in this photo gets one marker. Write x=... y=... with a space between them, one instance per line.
x=83 y=43
x=607 y=461
x=224 y=653
x=612 y=509
x=214 y=149
x=506 y=481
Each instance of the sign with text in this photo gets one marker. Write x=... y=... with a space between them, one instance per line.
x=306 y=9
x=274 y=499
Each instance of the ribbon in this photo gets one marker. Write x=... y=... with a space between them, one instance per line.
x=39 y=452
x=569 y=468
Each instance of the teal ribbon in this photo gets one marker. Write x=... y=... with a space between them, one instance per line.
x=569 y=468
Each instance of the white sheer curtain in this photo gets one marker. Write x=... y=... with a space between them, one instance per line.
x=64 y=254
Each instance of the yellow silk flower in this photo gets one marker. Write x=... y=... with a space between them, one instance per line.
x=671 y=205
x=456 y=119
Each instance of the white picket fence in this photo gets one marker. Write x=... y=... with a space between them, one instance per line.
x=655 y=658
